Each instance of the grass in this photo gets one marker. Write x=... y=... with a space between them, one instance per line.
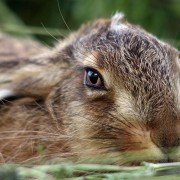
x=149 y=171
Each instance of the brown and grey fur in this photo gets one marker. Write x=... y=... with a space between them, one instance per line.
x=137 y=117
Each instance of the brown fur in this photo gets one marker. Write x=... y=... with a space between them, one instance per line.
x=137 y=118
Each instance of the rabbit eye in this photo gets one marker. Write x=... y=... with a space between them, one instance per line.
x=93 y=79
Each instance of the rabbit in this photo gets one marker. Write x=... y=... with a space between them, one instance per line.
x=108 y=93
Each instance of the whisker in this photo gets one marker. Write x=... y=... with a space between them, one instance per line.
x=106 y=125
x=112 y=127
x=62 y=16
x=49 y=32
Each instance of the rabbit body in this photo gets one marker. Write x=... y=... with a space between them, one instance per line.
x=48 y=111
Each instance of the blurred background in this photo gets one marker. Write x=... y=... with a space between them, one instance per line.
x=42 y=19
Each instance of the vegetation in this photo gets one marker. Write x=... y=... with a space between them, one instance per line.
x=158 y=17
x=149 y=171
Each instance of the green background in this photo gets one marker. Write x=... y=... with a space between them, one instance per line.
x=40 y=18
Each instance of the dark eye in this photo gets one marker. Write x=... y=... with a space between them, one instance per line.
x=93 y=79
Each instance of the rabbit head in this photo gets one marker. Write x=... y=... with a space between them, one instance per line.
x=113 y=90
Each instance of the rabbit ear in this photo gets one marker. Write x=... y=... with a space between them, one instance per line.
x=34 y=75
x=27 y=75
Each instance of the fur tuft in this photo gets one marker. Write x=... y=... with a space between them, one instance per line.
x=117 y=22
x=118 y=18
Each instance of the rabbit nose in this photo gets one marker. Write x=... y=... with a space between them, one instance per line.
x=165 y=140
x=165 y=137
